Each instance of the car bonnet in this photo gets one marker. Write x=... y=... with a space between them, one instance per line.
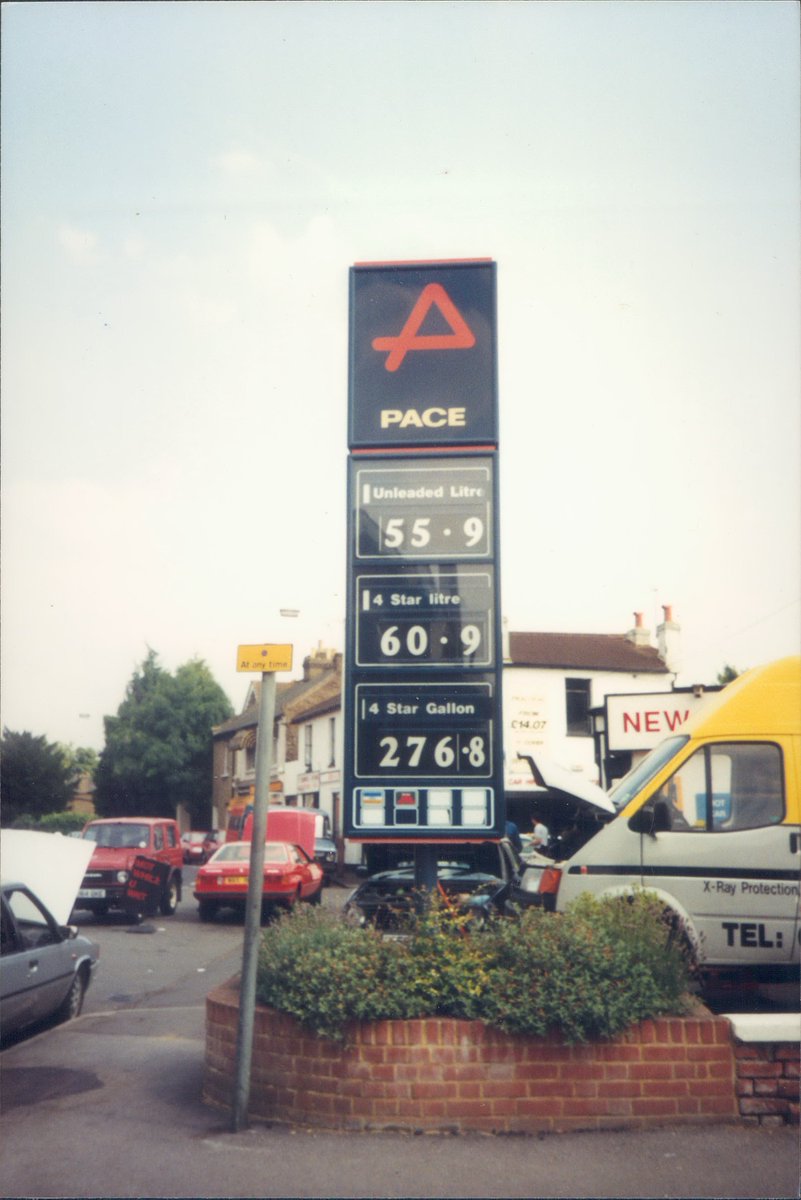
x=51 y=865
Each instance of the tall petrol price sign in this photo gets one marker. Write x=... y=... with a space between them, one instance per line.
x=423 y=747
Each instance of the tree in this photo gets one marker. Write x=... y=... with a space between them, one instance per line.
x=34 y=779
x=79 y=760
x=727 y=675
x=158 y=751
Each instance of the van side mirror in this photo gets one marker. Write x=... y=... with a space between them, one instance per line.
x=652 y=818
x=642 y=821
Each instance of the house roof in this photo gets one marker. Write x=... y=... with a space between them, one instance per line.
x=301 y=699
x=315 y=700
x=289 y=702
x=584 y=652
x=328 y=700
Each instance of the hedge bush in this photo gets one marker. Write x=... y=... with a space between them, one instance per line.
x=55 y=822
x=588 y=973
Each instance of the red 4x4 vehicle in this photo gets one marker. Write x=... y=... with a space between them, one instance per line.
x=118 y=841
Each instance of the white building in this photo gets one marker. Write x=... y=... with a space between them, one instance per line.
x=553 y=681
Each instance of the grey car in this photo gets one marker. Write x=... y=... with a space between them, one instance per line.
x=45 y=968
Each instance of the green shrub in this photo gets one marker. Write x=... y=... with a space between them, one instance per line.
x=588 y=973
x=55 y=822
x=325 y=973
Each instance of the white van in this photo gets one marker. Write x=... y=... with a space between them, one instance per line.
x=711 y=822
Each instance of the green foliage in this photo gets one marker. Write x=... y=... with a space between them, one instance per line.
x=79 y=760
x=34 y=779
x=158 y=751
x=325 y=973
x=589 y=973
x=57 y=822
x=727 y=675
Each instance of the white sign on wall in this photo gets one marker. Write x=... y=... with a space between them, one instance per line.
x=526 y=731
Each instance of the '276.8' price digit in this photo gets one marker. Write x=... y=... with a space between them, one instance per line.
x=408 y=752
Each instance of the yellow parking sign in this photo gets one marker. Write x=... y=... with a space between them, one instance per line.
x=266 y=657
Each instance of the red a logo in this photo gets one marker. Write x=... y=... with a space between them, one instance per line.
x=461 y=336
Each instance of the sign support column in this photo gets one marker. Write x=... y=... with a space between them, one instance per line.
x=247 y=658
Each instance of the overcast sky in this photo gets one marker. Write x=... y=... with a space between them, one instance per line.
x=184 y=189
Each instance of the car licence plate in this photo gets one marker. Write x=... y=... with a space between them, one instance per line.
x=234 y=880
x=92 y=894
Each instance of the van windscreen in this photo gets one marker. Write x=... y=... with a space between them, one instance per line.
x=651 y=765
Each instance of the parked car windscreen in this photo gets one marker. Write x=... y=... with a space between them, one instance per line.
x=275 y=852
x=482 y=857
x=118 y=837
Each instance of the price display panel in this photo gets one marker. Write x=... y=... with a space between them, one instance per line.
x=432 y=618
x=439 y=509
x=427 y=731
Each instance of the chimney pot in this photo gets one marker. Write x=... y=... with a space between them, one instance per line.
x=668 y=639
x=639 y=635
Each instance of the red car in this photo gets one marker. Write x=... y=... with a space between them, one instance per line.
x=290 y=875
x=211 y=842
x=194 y=846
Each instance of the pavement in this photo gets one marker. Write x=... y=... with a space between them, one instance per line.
x=110 y=1105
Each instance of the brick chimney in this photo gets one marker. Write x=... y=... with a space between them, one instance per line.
x=668 y=640
x=318 y=663
x=639 y=635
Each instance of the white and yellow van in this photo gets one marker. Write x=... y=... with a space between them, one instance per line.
x=711 y=822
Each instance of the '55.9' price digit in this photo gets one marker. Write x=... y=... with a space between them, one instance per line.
x=395 y=532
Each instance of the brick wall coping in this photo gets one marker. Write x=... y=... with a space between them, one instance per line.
x=765 y=1027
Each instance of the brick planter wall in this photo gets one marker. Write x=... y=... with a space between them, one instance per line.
x=768 y=1082
x=455 y=1076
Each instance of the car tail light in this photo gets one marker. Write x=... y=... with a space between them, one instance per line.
x=549 y=886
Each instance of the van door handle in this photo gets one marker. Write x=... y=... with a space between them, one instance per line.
x=795 y=840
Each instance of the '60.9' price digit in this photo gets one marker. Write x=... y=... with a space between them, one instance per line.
x=415 y=641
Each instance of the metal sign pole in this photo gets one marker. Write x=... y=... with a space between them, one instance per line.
x=250 y=951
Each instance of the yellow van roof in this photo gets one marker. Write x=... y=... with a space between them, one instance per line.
x=763 y=701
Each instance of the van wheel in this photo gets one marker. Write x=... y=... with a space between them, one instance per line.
x=169 y=899
x=678 y=939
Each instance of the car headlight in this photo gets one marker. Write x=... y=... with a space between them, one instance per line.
x=122 y=877
x=330 y=856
